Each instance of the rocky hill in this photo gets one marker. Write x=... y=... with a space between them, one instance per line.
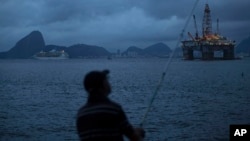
x=133 y=51
x=159 y=50
x=244 y=46
x=83 y=51
x=26 y=47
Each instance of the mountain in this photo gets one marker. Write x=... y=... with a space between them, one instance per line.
x=159 y=49
x=3 y=55
x=82 y=50
x=244 y=46
x=26 y=47
x=134 y=51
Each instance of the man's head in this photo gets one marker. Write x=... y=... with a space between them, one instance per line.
x=97 y=81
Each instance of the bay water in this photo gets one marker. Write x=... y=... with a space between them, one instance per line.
x=197 y=100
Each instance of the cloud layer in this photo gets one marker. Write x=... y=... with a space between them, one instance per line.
x=115 y=24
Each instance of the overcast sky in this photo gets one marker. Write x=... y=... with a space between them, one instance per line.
x=116 y=24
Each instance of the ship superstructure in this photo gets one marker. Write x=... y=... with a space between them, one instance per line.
x=53 y=54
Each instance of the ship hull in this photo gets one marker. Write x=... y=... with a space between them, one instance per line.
x=51 y=58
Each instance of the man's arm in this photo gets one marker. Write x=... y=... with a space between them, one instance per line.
x=134 y=134
x=138 y=135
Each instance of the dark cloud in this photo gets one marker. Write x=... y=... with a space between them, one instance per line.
x=115 y=24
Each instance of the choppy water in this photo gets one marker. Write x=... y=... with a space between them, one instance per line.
x=197 y=101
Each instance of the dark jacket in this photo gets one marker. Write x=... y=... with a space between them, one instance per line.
x=101 y=119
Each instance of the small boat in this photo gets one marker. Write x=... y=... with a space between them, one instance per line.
x=53 y=54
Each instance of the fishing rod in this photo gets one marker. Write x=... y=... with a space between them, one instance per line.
x=167 y=66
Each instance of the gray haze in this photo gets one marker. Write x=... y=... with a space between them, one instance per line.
x=116 y=24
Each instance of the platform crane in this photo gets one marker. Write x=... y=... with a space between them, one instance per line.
x=196 y=29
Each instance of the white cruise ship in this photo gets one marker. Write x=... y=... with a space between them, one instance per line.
x=53 y=54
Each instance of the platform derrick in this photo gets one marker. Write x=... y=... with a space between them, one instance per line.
x=209 y=42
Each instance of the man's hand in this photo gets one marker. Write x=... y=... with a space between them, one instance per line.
x=140 y=133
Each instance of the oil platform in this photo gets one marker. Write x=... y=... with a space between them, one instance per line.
x=209 y=42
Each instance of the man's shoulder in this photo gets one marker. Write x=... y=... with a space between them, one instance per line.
x=115 y=104
x=107 y=104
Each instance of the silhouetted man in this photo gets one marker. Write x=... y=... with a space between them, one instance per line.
x=101 y=119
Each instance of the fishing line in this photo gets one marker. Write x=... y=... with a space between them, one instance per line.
x=167 y=66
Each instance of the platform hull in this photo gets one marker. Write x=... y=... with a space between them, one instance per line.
x=207 y=50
